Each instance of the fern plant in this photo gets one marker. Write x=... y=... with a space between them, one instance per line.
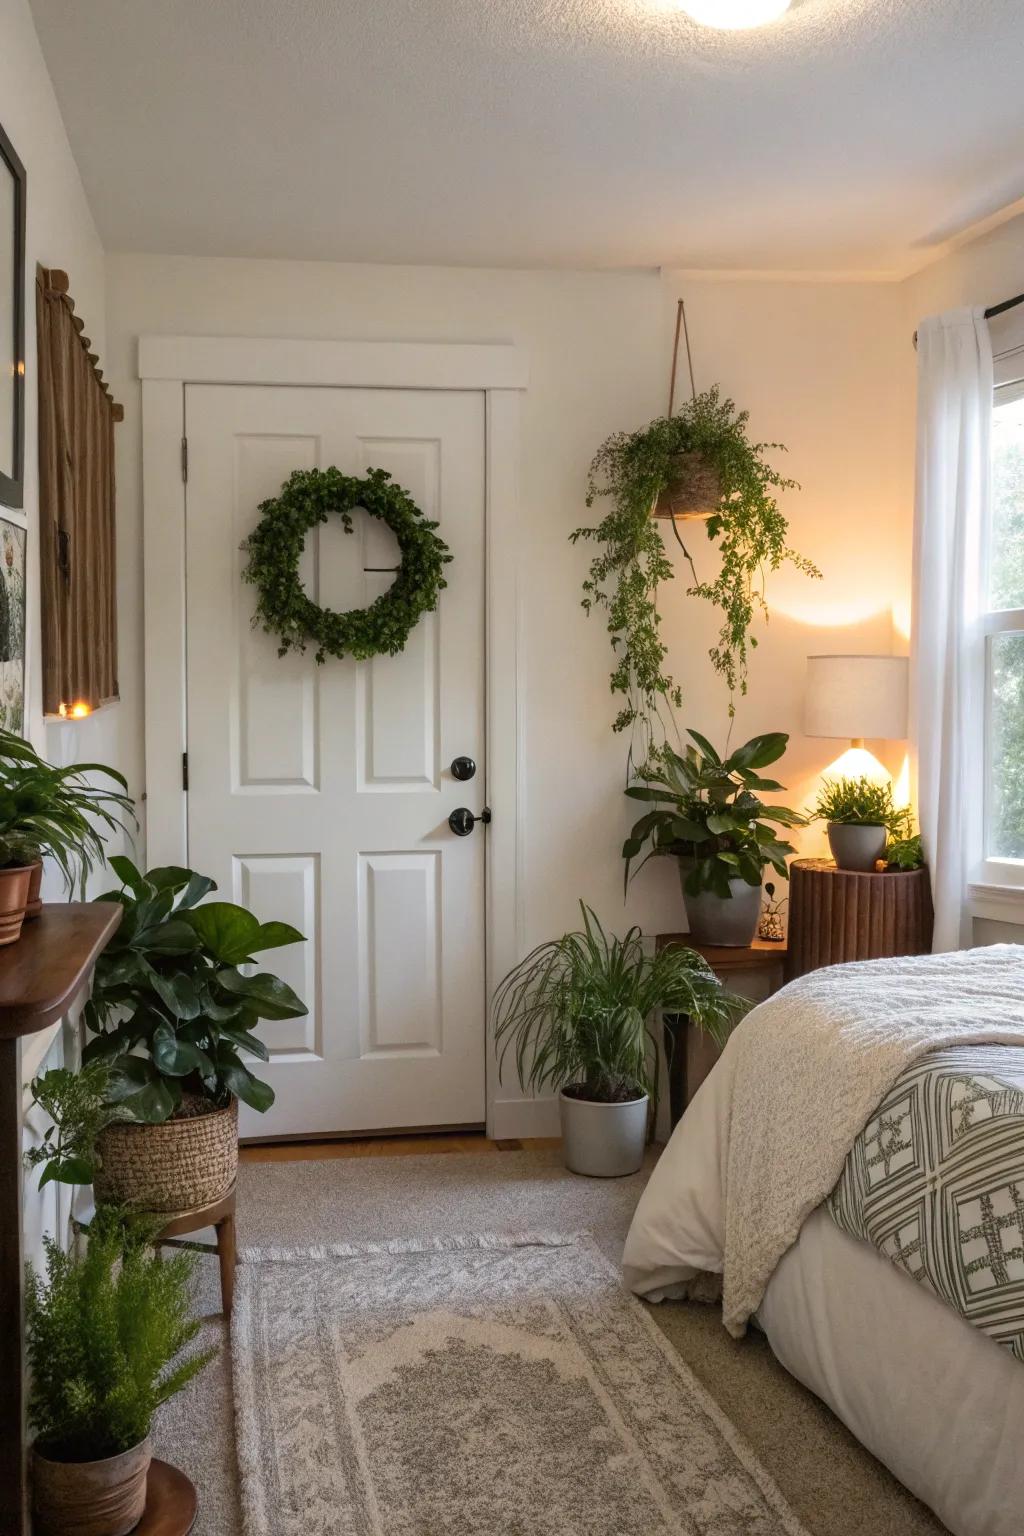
x=750 y=531
x=861 y=802
x=77 y=1106
x=105 y=1332
x=577 y=1011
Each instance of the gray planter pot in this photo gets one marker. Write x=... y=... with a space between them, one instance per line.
x=856 y=847
x=603 y=1141
x=714 y=919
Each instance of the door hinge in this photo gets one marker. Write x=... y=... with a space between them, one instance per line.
x=184 y=459
x=184 y=771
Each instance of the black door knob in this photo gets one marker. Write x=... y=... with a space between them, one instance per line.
x=462 y=821
x=463 y=768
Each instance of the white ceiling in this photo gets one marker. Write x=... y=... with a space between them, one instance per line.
x=850 y=135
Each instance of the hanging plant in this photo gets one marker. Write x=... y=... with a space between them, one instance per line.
x=634 y=469
x=312 y=496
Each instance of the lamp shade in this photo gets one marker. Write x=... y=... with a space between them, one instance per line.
x=856 y=697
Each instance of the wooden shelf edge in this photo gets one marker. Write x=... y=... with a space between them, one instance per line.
x=43 y=973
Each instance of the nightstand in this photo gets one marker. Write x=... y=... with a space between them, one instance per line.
x=755 y=972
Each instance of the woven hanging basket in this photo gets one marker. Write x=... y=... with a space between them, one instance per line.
x=182 y=1165
x=693 y=492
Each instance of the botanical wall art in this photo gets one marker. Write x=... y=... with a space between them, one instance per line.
x=12 y=324
x=12 y=627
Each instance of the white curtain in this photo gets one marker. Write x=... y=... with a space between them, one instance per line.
x=954 y=413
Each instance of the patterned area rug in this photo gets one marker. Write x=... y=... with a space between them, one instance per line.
x=475 y=1387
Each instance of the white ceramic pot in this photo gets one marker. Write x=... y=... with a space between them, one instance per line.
x=604 y=1141
x=856 y=847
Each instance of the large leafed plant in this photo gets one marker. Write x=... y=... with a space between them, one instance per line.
x=173 y=1004
x=747 y=526
x=708 y=811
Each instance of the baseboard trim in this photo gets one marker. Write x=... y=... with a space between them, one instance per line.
x=517 y=1118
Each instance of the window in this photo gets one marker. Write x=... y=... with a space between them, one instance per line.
x=1003 y=624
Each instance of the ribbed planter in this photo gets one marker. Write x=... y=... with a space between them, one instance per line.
x=90 y=1498
x=14 y=884
x=730 y=921
x=603 y=1141
x=182 y=1165
x=692 y=492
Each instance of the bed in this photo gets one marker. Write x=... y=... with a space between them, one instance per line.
x=759 y=1174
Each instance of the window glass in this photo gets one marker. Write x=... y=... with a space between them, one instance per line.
x=1006 y=556
x=1006 y=746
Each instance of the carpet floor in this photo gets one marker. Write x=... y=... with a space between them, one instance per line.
x=834 y=1486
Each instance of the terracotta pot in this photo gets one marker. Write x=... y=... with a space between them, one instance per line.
x=35 y=886
x=90 y=1498
x=14 y=883
x=182 y=1165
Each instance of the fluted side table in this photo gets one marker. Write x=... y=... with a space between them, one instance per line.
x=840 y=914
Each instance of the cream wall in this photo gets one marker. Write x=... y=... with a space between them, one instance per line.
x=59 y=233
x=817 y=364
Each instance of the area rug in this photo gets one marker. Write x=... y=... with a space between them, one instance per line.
x=482 y=1386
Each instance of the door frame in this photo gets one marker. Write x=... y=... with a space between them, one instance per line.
x=166 y=364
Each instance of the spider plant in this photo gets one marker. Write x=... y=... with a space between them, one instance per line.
x=577 y=1011
x=58 y=811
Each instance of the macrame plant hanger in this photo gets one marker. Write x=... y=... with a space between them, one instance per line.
x=669 y=504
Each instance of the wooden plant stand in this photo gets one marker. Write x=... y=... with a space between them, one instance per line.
x=690 y=1052
x=40 y=977
x=170 y=1502
x=220 y=1216
x=841 y=914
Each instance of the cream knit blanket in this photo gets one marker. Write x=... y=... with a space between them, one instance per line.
x=809 y=1068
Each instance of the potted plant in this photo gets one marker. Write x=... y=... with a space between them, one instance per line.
x=861 y=816
x=77 y=1108
x=104 y=1331
x=705 y=441
x=58 y=812
x=172 y=1012
x=707 y=812
x=577 y=1013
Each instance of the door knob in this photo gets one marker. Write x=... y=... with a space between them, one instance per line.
x=463 y=821
x=463 y=768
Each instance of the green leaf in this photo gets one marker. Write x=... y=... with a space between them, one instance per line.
x=275 y=936
x=251 y=1090
x=705 y=746
x=759 y=751
x=227 y=931
x=269 y=996
x=127 y=873
x=67 y=1170
x=177 y=993
x=172 y=938
x=247 y=1041
x=135 y=1084
x=178 y=1057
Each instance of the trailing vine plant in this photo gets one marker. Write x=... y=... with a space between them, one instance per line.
x=632 y=468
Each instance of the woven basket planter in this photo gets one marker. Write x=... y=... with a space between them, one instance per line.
x=182 y=1165
x=692 y=492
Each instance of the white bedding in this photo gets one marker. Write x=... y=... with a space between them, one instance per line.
x=932 y=1397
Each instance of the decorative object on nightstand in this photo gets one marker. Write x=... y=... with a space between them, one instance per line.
x=839 y=914
x=754 y=972
x=771 y=927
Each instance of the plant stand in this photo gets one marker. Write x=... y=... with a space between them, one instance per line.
x=221 y=1216
x=754 y=971
x=40 y=977
x=841 y=914
x=170 y=1502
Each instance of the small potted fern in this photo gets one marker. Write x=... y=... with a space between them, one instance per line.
x=860 y=817
x=577 y=1013
x=105 y=1331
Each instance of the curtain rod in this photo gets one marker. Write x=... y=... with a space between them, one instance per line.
x=996 y=309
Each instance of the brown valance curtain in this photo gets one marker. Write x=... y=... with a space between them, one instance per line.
x=76 y=508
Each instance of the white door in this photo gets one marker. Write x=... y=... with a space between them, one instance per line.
x=320 y=796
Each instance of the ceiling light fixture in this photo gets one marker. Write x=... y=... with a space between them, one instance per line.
x=732 y=15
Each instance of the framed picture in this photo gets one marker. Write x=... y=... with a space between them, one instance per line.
x=12 y=325
x=12 y=626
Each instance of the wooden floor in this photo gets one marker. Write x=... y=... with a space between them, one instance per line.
x=388 y=1146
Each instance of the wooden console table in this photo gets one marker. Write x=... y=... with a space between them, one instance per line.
x=690 y=1052
x=40 y=977
x=841 y=914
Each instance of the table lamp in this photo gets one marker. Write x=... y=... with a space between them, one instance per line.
x=857 y=698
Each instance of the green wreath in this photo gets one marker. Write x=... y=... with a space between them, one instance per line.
x=311 y=496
